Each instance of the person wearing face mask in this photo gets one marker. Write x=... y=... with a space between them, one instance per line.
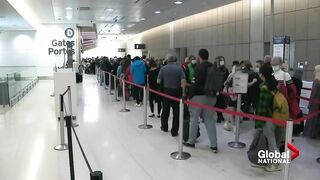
x=190 y=70
x=221 y=100
x=250 y=99
x=258 y=65
x=312 y=127
x=286 y=86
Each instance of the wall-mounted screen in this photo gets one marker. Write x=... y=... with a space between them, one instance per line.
x=139 y=46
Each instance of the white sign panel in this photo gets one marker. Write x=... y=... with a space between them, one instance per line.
x=278 y=50
x=240 y=83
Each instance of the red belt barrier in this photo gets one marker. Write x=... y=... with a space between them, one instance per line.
x=164 y=95
x=313 y=101
x=309 y=89
x=211 y=108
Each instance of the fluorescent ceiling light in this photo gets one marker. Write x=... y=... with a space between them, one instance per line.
x=143 y=19
x=157 y=12
x=102 y=17
x=109 y=9
x=68 y=8
x=178 y=2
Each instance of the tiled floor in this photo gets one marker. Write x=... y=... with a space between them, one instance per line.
x=115 y=146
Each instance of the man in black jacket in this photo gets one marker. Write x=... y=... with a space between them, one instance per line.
x=197 y=95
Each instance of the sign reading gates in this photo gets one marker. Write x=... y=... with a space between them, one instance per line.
x=59 y=46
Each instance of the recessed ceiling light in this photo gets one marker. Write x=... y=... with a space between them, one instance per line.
x=157 y=12
x=68 y=8
x=102 y=17
x=143 y=19
x=109 y=9
x=178 y=2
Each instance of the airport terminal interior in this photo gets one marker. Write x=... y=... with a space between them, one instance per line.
x=159 y=89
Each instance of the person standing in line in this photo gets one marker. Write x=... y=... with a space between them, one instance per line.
x=221 y=100
x=174 y=83
x=138 y=70
x=186 y=63
x=252 y=95
x=312 y=127
x=153 y=76
x=197 y=95
x=270 y=105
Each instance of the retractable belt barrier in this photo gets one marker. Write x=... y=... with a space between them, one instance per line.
x=212 y=108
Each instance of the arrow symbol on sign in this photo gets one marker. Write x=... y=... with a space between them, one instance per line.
x=295 y=151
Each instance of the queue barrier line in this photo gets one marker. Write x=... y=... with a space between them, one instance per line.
x=309 y=89
x=212 y=108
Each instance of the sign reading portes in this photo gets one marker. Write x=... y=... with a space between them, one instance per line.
x=59 y=46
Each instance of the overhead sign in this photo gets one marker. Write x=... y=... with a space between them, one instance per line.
x=240 y=83
x=69 y=32
x=59 y=46
x=139 y=46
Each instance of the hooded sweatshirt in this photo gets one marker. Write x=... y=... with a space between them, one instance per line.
x=138 y=70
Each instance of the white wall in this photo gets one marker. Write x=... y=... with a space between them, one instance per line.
x=30 y=48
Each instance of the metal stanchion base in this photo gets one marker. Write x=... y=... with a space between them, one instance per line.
x=116 y=100
x=125 y=110
x=318 y=160
x=237 y=144
x=145 y=126
x=178 y=156
x=61 y=147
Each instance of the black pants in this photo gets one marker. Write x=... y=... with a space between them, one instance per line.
x=167 y=105
x=154 y=98
x=221 y=103
x=138 y=94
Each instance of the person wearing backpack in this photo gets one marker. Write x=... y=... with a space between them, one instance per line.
x=272 y=103
x=202 y=94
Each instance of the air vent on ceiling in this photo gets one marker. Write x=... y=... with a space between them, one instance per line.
x=84 y=8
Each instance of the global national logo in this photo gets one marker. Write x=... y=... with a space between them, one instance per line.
x=276 y=157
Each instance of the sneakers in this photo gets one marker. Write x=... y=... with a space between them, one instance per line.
x=164 y=130
x=189 y=145
x=152 y=115
x=272 y=167
x=175 y=134
x=138 y=105
x=214 y=149
x=228 y=126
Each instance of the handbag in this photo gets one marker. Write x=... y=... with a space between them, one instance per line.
x=258 y=143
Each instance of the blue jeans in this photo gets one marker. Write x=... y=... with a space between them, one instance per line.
x=208 y=118
x=102 y=77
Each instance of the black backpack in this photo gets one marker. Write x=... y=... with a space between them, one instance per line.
x=214 y=80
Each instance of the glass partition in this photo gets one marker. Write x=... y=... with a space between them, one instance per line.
x=16 y=82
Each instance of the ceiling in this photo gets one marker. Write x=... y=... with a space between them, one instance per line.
x=118 y=16
x=10 y=19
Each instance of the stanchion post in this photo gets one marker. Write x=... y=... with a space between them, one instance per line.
x=115 y=90
x=289 y=129
x=237 y=143
x=110 y=93
x=104 y=79
x=145 y=124
x=96 y=175
x=74 y=123
x=62 y=146
x=69 y=133
x=180 y=155
x=124 y=97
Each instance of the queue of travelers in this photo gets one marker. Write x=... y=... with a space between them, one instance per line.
x=272 y=92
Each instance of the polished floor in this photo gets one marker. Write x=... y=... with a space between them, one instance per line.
x=115 y=146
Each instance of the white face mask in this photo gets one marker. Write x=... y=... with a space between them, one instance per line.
x=276 y=68
x=221 y=63
x=257 y=70
x=194 y=61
